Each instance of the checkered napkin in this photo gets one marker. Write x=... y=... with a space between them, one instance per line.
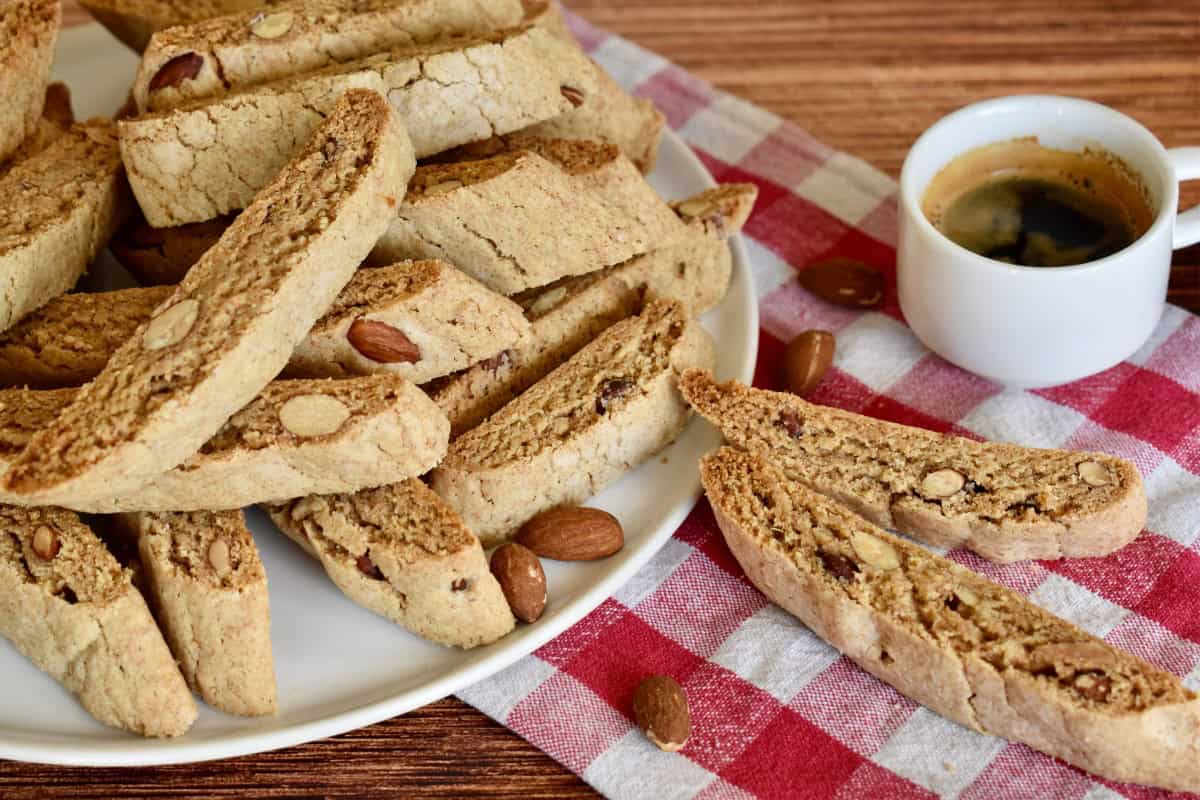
x=775 y=711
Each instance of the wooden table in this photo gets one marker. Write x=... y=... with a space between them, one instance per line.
x=866 y=77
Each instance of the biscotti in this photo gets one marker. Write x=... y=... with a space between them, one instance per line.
x=135 y=21
x=62 y=205
x=489 y=217
x=1002 y=501
x=224 y=334
x=57 y=117
x=162 y=256
x=213 y=56
x=208 y=158
x=969 y=649
x=207 y=586
x=420 y=320
x=401 y=553
x=70 y=608
x=610 y=407
x=571 y=312
x=295 y=438
x=417 y=319
x=28 y=32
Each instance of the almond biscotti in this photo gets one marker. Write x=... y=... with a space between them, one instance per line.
x=400 y=552
x=57 y=117
x=420 y=320
x=70 y=608
x=213 y=56
x=224 y=334
x=295 y=438
x=162 y=256
x=1005 y=502
x=417 y=319
x=208 y=158
x=28 y=33
x=489 y=216
x=135 y=21
x=969 y=649
x=571 y=312
x=62 y=205
x=207 y=586
x=610 y=407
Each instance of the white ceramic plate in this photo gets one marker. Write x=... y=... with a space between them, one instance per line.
x=340 y=667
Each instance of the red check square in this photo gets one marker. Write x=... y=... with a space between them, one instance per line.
x=1172 y=601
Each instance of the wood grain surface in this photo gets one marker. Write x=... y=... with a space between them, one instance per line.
x=866 y=77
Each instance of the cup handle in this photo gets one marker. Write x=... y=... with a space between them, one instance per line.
x=1186 y=161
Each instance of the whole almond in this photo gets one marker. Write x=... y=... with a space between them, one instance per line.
x=806 y=359
x=660 y=708
x=172 y=325
x=218 y=557
x=573 y=534
x=381 y=342
x=45 y=542
x=522 y=580
x=179 y=69
x=943 y=483
x=271 y=26
x=1094 y=473
x=844 y=281
x=313 y=415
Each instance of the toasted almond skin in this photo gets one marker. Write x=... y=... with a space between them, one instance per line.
x=522 y=580
x=661 y=710
x=572 y=533
x=381 y=342
x=179 y=69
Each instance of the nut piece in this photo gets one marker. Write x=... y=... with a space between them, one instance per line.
x=522 y=580
x=367 y=567
x=610 y=390
x=694 y=207
x=313 y=415
x=176 y=71
x=573 y=95
x=844 y=281
x=218 y=557
x=838 y=565
x=1094 y=473
x=966 y=596
x=573 y=534
x=943 y=483
x=875 y=551
x=791 y=423
x=271 y=26
x=1094 y=686
x=547 y=300
x=806 y=360
x=171 y=325
x=45 y=543
x=661 y=710
x=381 y=342
x=443 y=187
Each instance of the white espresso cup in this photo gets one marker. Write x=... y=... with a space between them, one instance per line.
x=1032 y=327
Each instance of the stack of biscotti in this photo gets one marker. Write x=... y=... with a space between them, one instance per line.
x=969 y=649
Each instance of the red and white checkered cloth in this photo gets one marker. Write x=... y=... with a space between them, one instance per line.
x=776 y=712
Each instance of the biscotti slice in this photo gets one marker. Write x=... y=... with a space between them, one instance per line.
x=70 y=608
x=62 y=206
x=162 y=256
x=969 y=649
x=225 y=333
x=135 y=21
x=28 y=33
x=213 y=56
x=527 y=217
x=296 y=438
x=571 y=312
x=417 y=319
x=210 y=157
x=400 y=552
x=207 y=586
x=609 y=408
x=57 y=117
x=1003 y=501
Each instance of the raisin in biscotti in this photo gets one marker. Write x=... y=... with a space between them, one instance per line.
x=1003 y=501
x=400 y=552
x=971 y=650
x=296 y=438
x=571 y=312
x=213 y=56
x=28 y=32
x=420 y=320
x=57 y=117
x=162 y=256
x=135 y=21
x=63 y=204
x=489 y=216
x=609 y=408
x=70 y=608
x=208 y=158
x=207 y=586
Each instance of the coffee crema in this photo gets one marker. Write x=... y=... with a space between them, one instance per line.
x=1023 y=203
